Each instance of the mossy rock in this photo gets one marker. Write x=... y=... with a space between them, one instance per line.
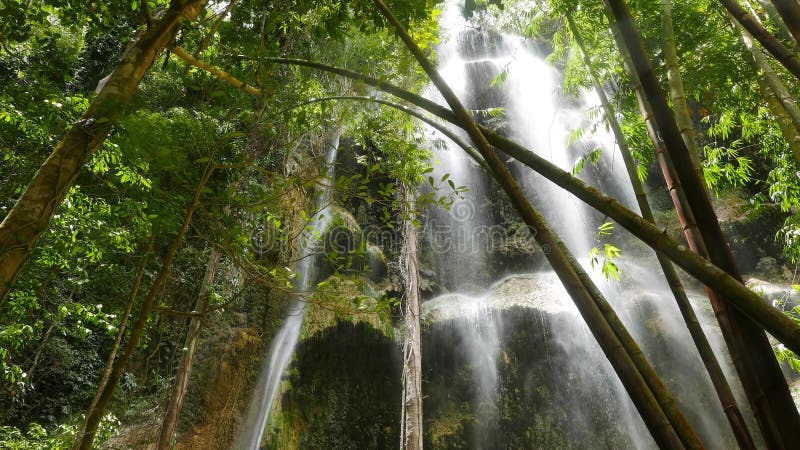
x=351 y=299
x=343 y=392
x=751 y=236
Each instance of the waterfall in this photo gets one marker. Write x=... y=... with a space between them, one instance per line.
x=465 y=241
x=283 y=344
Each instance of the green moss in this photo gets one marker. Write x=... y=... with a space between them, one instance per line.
x=346 y=298
x=343 y=392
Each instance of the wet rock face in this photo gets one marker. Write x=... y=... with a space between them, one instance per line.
x=520 y=371
x=768 y=266
x=345 y=387
x=538 y=390
x=482 y=44
x=344 y=393
x=752 y=238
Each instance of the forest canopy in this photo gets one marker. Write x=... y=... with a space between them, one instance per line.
x=165 y=164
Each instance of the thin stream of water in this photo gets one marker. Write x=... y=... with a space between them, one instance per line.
x=283 y=344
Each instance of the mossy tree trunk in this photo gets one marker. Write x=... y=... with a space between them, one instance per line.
x=28 y=219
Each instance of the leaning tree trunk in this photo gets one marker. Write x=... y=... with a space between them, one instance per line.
x=28 y=219
x=786 y=57
x=667 y=433
x=720 y=383
x=751 y=351
x=411 y=421
x=789 y=11
x=181 y=384
x=745 y=300
x=95 y=414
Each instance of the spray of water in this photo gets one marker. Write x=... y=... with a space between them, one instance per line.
x=541 y=116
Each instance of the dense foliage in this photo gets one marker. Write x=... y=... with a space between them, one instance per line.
x=263 y=154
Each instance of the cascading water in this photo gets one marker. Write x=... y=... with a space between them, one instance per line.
x=465 y=249
x=283 y=344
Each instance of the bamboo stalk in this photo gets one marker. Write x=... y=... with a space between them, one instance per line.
x=713 y=368
x=789 y=11
x=775 y=17
x=758 y=369
x=781 y=104
x=782 y=54
x=677 y=91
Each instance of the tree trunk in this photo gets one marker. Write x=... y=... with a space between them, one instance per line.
x=28 y=219
x=663 y=430
x=720 y=383
x=104 y=394
x=123 y=324
x=677 y=92
x=179 y=387
x=784 y=56
x=411 y=422
x=745 y=300
x=759 y=372
x=789 y=11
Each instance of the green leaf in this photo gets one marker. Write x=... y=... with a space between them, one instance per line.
x=500 y=78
